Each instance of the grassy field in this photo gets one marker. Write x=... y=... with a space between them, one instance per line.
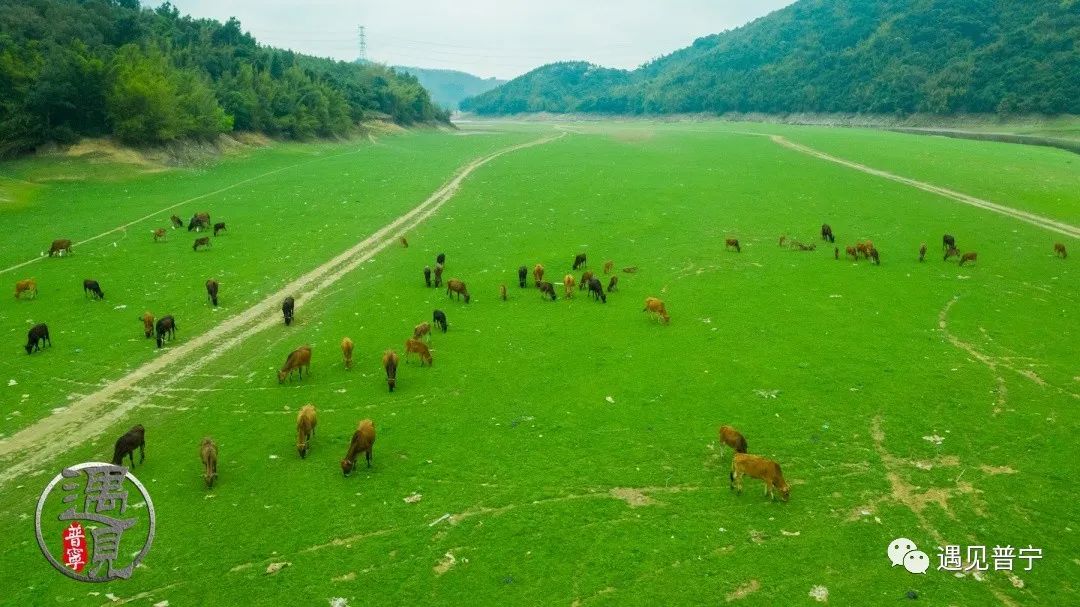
x=572 y=443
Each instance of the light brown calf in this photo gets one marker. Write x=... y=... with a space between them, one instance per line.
x=455 y=286
x=298 y=360
x=305 y=429
x=609 y=266
x=209 y=455
x=390 y=363
x=538 y=274
x=148 y=324
x=420 y=348
x=1059 y=250
x=346 y=351
x=502 y=292
x=25 y=286
x=656 y=306
x=159 y=234
x=966 y=257
x=733 y=243
x=568 y=286
x=422 y=330
x=759 y=467
x=732 y=438
x=585 y=278
x=362 y=442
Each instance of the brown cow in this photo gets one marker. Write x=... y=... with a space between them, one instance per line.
x=404 y=242
x=783 y=238
x=346 y=351
x=547 y=290
x=420 y=348
x=656 y=306
x=25 y=286
x=585 y=278
x=951 y=252
x=922 y=252
x=201 y=242
x=390 y=363
x=159 y=234
x=630 y=270
x=148 y=324
x=456 y=286
x=836 y=253
x=219 y=227
x=568 y=286
x=853 y=252
x=209 y=455
x=298 y=360
x=613 y=284
x=731 y=437
x=422 y=330
x=1059 y=250
x=502 y=292
x=176 y=222
x=874 y=256
x=732 y=243
x=966 y=257
x=864 y=247
x=305 y=429
x=538 y=274
x=60 y=247
x=758 y=467
x=199 y=221
x=362 y=441
x=609 y=266
x=438 y=275
x=212 y=291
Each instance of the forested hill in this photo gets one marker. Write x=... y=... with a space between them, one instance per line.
x=72 y=68
x=864 y=56
x=449 y=88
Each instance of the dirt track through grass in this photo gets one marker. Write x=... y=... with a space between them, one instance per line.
x=1036 y=220
x=90 y=415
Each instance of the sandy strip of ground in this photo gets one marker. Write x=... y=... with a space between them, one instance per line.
x=92 y=414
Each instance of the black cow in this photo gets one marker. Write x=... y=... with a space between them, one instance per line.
x=126 y=445
x=166 y=329
x=597 y=290
x=211 y=291
x=948 y=242
x=287 y=310
x=523 y=273
x=826 y=233
x=579 y=261
x=427 y=276
x=440 y=259
x=546 y=288
x=219 y=227
x=37 y=335
x=92 y=288
x=439 y=318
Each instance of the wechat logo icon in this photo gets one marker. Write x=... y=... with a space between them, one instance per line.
x=903 y=551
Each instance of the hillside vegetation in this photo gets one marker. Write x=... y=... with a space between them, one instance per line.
x=109 y=67
x=449 y=88
x=866 y=56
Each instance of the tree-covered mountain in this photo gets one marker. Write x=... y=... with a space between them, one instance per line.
x=72 y=68
x=449 y=88
x=865 y=56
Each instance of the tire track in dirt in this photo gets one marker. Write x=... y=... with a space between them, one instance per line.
x=92 y=414
x=231 y=186
x=1035 y=220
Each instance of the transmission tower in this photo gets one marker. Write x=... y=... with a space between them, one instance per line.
x=361 y=39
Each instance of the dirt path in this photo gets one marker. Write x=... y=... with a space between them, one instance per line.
x=1035 y=220
x=231 y=186
x=91 y=415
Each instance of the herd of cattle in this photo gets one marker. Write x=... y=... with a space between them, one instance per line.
x=363 y=438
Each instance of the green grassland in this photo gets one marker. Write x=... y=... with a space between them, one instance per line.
x=573 y=442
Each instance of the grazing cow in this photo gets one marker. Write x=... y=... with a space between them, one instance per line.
x=826 y=233
x=92 y=288
x=732 y=438
x=853 y=252
x=568 y=285
x=656 y=306
x=438 y=275
x=966 y=257
x=201 y=242
x=758 y=467
x=422 y=330
x=613 y=284
x=287 y=307
x=836 y=253
x=597 y=290
x=298 y=360
x=127 y=444
x=390 y=363
x=456 y=286
x=948 y=242
x=795 y=244
x=1059 y=250
x=346 y=351
x=439 y=318
x=732 y=243
x=874 y=256
x=305 y=429
x=864 y=247
x=922 y=252
x=211 y=291
x=579 y=261
x=523 y=273
x=630 y=270
x=404 y=242
x=538 y=274
x=783 y=238
x=547 y=289
x=199 y=221
x=421 y=350
x=427 y=276
x=176 y=222
x=440 y=259
x=584 y=282
x=362 y=442
x=38 y=335
x=208 y=454
x=148 y=324
x=219 y=227
x=25 y=286
x=159 y=234
x=609 y=266
x=502 y=292
x=60 y=247
x=166 y=329
x=952 y=252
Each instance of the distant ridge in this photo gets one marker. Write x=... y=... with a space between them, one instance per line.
x=449 y=88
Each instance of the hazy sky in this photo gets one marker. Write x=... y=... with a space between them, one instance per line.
x=503 y=38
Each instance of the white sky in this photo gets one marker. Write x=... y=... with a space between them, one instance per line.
x=503 y=38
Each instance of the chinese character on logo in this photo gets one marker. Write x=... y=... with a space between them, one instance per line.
x=949 y=558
